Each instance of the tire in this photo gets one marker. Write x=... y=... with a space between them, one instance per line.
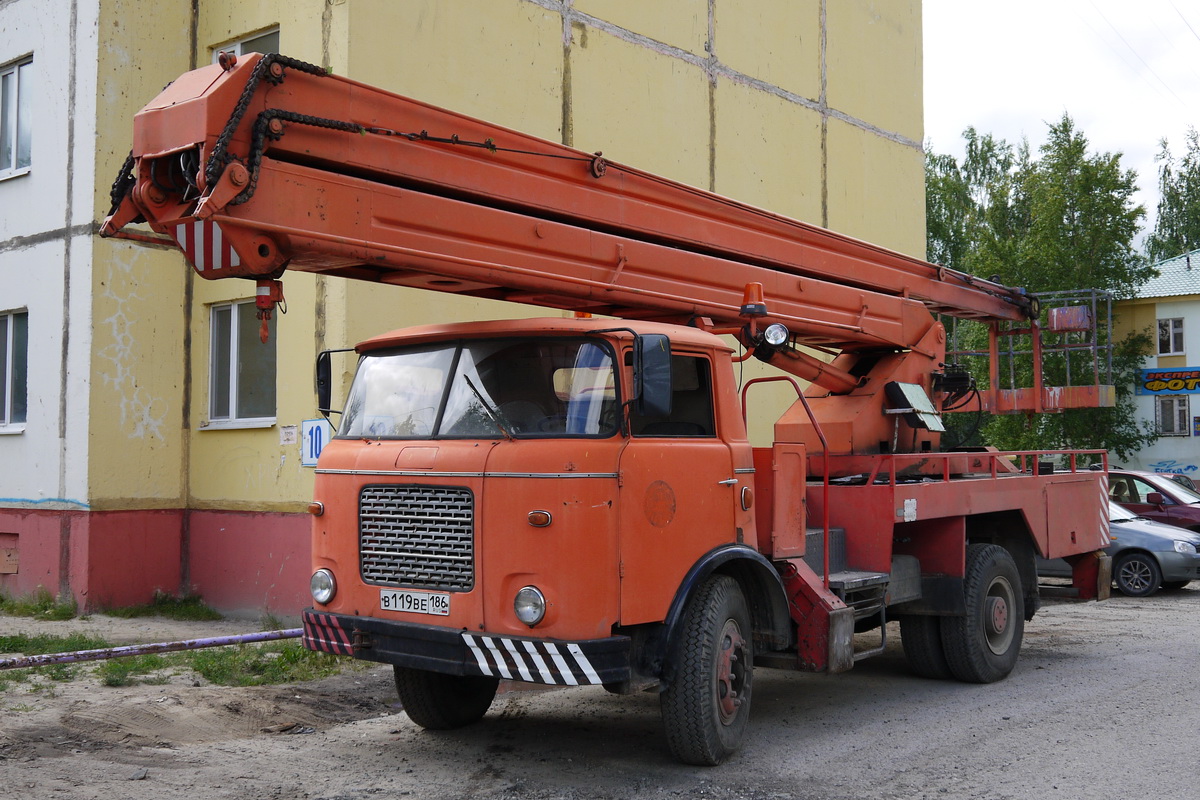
x=921 y=637
x=1173 y=586
x=982 y=646
x=706 y=707
x=1137 y=574
x=442 y=702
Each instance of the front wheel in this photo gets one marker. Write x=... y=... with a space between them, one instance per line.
x=706 y=707
x=441 y=702
x=982 y=645
x=1137 y=574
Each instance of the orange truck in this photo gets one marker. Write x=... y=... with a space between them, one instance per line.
x=575 y=501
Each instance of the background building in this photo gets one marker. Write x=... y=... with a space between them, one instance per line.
x=143 y=449
x=1168 y=392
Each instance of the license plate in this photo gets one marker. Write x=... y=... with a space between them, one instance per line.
x=415 y=602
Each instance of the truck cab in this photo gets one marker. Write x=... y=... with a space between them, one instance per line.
x=511 y=485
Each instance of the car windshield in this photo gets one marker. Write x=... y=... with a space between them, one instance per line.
x=516 y=388
x=1185 y=495
x=1118 y=514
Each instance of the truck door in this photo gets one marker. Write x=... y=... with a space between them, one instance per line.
x=677 y=495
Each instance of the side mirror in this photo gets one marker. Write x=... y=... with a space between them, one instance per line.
x=324 y=381
x=1155 y=499
x=652 y=374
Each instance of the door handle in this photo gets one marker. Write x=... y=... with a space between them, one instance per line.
x=727 y=482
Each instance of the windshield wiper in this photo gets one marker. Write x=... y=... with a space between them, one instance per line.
x=492 y=412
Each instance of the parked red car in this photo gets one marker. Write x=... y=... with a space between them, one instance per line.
x=1155 y=496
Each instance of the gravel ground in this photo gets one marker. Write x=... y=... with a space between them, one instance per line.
x=1104 y=699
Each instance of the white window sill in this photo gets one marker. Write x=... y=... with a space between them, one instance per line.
x=16 y=173
x=12 y=430
x=237 y=424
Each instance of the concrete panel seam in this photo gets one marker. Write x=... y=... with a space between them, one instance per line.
x=65 y=349
x=714 y=68
x=34 y=239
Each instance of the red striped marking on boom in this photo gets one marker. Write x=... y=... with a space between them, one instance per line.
x=205 y=246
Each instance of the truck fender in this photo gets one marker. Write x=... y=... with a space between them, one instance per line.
x=761 y=585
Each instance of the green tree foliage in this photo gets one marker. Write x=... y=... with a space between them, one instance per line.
x=1177 y=229
x=1063 y=219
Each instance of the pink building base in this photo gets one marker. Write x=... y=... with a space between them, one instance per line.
x=239 y=562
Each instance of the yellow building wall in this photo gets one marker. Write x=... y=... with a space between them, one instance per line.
x=639 y=107
x=137 y=383
x=874 y=64
x=751 y=99
x=876 y=189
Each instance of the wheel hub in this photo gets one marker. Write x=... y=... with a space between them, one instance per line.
x=997 y=615
x=731 y=671
x=997 y=626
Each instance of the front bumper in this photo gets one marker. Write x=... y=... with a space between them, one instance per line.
x=1179 y=566
x=461 y=652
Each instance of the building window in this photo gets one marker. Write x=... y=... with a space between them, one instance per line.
x=16 y=117
x=266 y=42
x=1170 y=337
x=14 y=366
x=241 y=388
x=1172 y=413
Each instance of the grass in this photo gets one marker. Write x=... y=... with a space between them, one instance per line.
x=255 y=665
x=240 y=665
x=40 y=605
x=186 y=607
x=44 y=643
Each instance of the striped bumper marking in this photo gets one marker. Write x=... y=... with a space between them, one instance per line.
x=536 y=662
x=322 y=632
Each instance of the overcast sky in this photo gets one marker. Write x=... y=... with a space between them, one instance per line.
x=1127 y=71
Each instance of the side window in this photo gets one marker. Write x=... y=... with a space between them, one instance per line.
x=14 y=369
x=241 y=383
x=1172 y=413
x=16 y=117
x=691 y=402
x=265 y=42
x=1141 y=489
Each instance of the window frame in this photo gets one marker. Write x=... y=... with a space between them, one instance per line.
x=233 y=421
x=8 y=364
x=1174 y=336
x=16 y=69
x=1181 y=413
x=238 y=47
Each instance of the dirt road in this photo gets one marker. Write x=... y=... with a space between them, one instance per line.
x=1105 y=700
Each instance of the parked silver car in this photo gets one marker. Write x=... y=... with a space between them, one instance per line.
x=1146 y=555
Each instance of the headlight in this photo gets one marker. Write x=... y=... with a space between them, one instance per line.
x=322 y=586
x=530 y=605
x=1187 y=548
x=776 y=334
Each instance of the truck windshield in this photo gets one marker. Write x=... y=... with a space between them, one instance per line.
x=519 y=388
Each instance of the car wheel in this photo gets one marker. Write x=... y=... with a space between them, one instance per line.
x=982 y=645
x=1137 y=574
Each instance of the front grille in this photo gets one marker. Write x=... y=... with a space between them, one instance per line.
x=417 y=536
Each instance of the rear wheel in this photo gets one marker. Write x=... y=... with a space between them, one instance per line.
x=706 y=706
x=1137 y=574
x=441 y=702
x=982 y=645
x=921 y=637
